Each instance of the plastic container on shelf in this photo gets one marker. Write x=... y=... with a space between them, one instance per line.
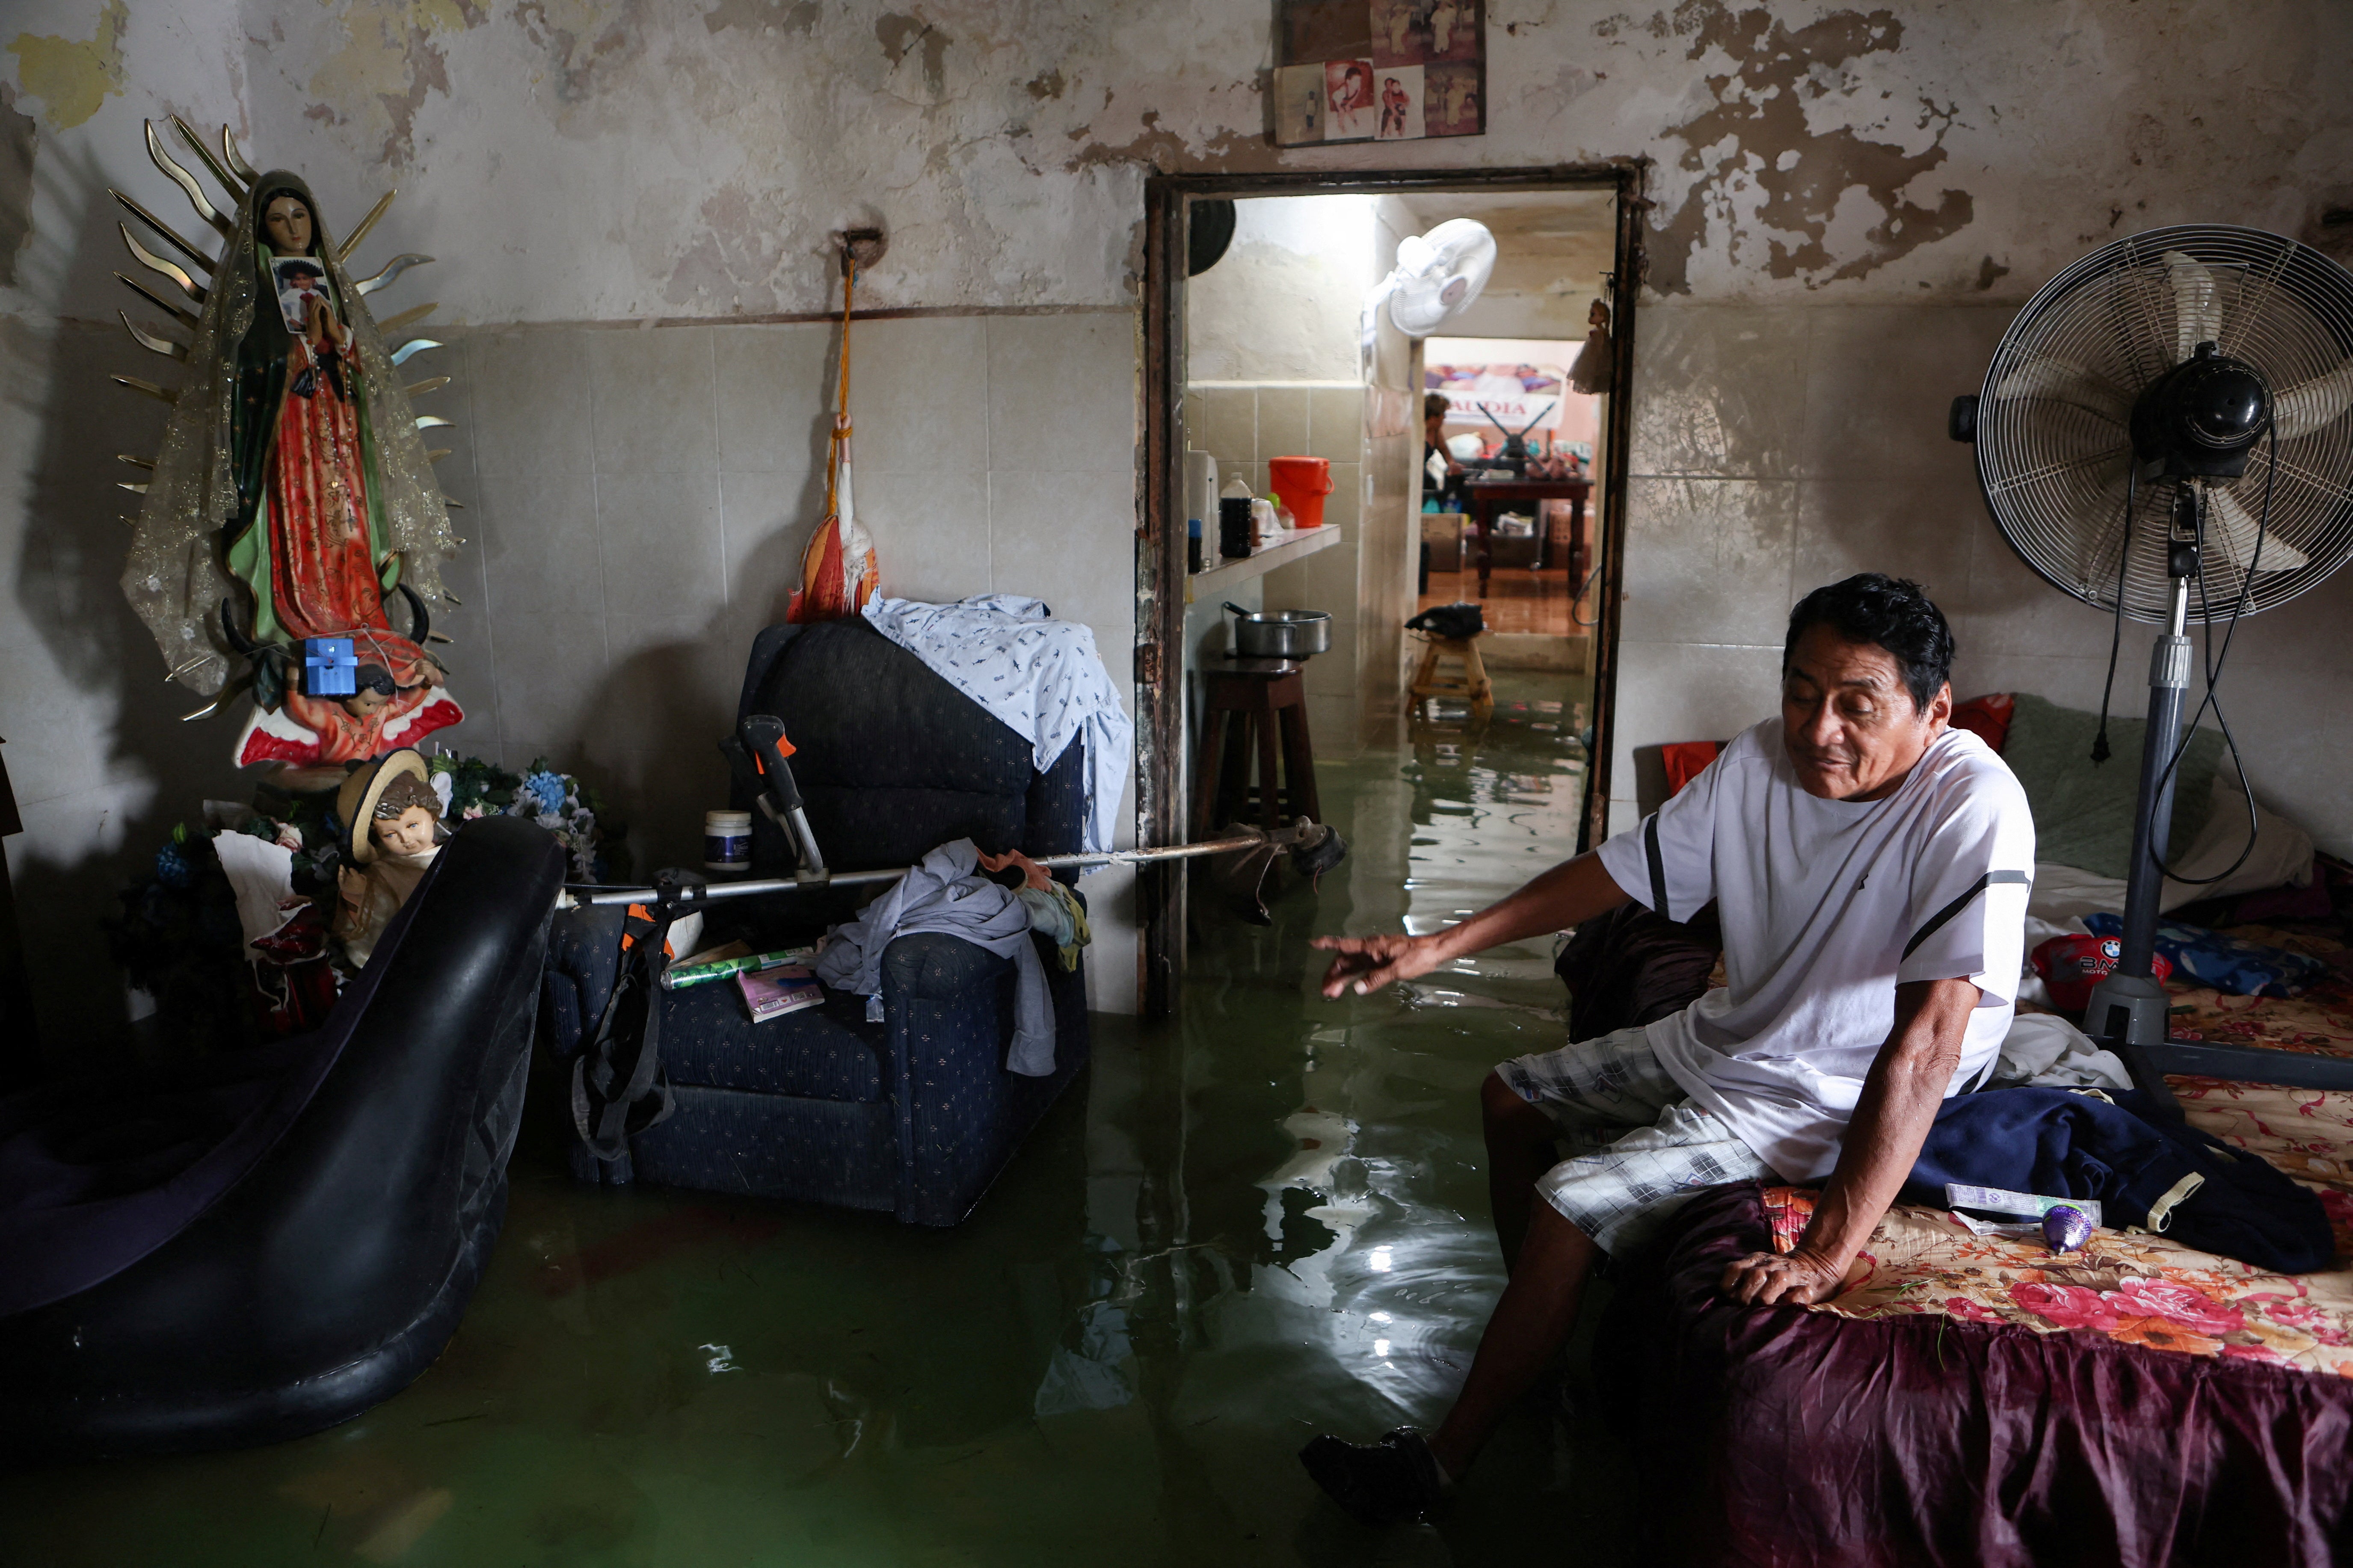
x=1303 y=483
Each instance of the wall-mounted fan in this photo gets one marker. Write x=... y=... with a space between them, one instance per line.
x=1437 y=275
x=2164 y=434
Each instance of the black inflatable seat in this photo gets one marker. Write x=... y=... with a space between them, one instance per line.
x=274 y=1241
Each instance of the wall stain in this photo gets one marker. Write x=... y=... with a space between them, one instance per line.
x=1045 y=85
x=758 y=15
x=388 y=61
x=72 y=76
x=586 y=43
x=1754 y=147
x=1167 y=153
x=1989 y=274
x=899 y=36
x=19 y=138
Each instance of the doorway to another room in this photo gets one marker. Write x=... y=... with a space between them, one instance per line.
x=1360 y=392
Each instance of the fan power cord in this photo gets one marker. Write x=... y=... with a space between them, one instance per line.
x=2213 y=662
x=2100 y=751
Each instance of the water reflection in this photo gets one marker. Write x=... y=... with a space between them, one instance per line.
x=1265 y=1220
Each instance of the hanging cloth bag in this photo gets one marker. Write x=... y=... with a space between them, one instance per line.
x=838 y=571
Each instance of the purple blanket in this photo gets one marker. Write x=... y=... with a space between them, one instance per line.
x=1778 y=1436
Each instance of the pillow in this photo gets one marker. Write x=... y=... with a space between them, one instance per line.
x=2083 y=809
x=1987 y=718
x=2281 y=856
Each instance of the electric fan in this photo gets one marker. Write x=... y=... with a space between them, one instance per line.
x=1437 y=275
x=2163 y=435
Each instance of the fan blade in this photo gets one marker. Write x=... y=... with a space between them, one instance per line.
x=2236 y=528
x=2063 y=381
x=2308 y=406
x=2196 y=304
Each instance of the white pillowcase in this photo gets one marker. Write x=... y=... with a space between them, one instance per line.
x=2281 y=858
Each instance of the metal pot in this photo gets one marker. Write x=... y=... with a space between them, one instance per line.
x=1280 y=634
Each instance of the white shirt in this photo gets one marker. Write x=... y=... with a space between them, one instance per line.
x=1826 y=906
x=1041 y=678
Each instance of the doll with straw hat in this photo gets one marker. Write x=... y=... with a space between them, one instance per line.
x=393 y=820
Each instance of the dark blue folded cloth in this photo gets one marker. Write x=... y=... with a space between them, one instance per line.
x=2064 y=1144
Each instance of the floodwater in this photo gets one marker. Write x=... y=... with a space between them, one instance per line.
x=1265 y=1219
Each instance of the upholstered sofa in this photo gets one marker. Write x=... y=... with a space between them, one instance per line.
x=916 y=1114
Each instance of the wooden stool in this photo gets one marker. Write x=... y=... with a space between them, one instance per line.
x=1473 y=684
x=1264 y=701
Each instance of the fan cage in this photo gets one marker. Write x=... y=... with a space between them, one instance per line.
x=2055 y=469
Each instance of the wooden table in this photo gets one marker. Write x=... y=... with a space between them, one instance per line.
x=1481 y=498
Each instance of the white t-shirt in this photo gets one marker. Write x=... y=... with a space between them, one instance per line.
x=1826 y=905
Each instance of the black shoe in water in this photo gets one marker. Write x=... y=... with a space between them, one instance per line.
x=1381 y=1483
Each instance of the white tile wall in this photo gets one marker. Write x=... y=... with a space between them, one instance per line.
x=1778 y=449
x=645 y=496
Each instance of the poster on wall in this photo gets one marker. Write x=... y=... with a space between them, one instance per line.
x=1380 y=70
x=1519 y=397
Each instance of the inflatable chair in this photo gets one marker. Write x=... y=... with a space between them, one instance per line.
x=915 y=1114
x=283 y=1237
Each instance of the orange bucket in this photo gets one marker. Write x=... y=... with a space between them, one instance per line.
x=1303 y=483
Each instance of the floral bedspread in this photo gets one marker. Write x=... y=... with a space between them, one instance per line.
x=2133 y=1287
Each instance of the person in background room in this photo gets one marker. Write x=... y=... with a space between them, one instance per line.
x=1441 y=474
x=1871 y=866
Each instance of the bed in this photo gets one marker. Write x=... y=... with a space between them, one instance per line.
x=1969 y=1399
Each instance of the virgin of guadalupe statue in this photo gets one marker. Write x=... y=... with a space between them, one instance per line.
x=293 y=499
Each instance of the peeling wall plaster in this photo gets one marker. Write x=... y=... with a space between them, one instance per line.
x=73 y=76
x=625 y=161
x=689 y=159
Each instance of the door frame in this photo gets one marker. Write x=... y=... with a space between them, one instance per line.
x=1160 y=805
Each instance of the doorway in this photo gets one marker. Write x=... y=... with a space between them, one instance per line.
x=1261 y=357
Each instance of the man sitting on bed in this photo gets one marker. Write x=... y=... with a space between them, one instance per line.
x=1870 y=867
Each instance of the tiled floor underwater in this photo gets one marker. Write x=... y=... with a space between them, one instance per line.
x=1262 y=1221
x=1518 y=599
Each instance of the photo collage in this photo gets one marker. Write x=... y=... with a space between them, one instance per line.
x=1380 y=70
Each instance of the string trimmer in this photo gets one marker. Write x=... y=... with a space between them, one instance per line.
x=1241 y=854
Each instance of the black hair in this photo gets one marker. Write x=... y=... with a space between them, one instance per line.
x=377 y=679
x=1434 y=404
x=1891 y=613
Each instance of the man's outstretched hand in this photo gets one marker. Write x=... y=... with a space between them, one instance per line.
x=1800 y=1279
x=1368 y=962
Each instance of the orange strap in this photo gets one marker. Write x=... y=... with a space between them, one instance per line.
x=842 y=404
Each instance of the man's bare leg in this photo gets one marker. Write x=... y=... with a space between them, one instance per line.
x=1531 y=1322
x=1519 y=1151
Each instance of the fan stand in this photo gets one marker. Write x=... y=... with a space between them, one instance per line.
x=2127 y=1010
x=2126 y=1013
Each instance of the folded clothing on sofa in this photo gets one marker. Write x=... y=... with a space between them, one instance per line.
x=946 y=894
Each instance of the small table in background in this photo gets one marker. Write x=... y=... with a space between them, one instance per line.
x=1481 y=498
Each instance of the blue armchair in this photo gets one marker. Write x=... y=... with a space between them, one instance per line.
x=915 y=1114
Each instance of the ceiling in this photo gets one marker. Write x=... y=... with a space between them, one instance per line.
x=1547 y=242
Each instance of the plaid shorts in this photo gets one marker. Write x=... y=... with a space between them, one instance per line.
x=1637 y=1148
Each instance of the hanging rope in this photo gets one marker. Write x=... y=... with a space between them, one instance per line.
x=841 y=395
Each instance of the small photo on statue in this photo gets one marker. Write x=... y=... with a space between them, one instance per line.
x=299 y=280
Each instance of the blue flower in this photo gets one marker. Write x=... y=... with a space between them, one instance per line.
x=171 y=867
x=547 y=790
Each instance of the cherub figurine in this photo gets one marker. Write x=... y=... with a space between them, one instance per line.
x=395 y=819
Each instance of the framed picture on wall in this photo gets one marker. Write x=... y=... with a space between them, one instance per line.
x=1388 y=70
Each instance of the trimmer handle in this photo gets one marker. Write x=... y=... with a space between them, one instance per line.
x=762 y=736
